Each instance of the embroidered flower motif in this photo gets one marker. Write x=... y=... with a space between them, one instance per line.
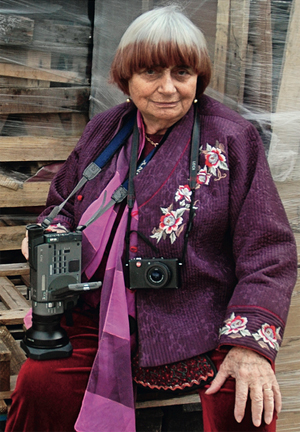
x=203 y=177
x=269 y=335
x=215 y=160
x=183 y=193
x=235 y=326
x=171 y=223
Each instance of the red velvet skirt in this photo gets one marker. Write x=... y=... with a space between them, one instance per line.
x=49 y=393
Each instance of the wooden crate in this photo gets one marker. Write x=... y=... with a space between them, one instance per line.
x=14 y=280
x=8 y=376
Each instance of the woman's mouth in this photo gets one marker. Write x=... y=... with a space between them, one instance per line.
x=166 y=104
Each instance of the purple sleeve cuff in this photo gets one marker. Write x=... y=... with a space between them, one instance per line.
x=254 y=328
x=61 y=219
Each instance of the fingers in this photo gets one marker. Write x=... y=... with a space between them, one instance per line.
x=24 y=247
x=268 y=398
x=272 y=401
x=217 y=383
x=241 y=397
x=277 y=397
x=254 y=377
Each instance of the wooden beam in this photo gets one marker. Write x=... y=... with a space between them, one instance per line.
x=48 y=100
x=289 y=192
x=11 y=237
x=7 y=394
x=33 y=194
x=15 y=30
x=181 y=400
x=286 y=121
x=17 y=306
x=2 y=122
x=35 y=73
x=48 y=31
x=258 y=85
x=34 y=148
x=288 y=366
x=289 y=93
x=237 y=50
x=5 y=357
x=221 y=46
x=17 y=354
x=18 y=269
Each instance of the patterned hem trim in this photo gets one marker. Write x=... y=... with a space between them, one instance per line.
x=175 y=387
x=174 y=376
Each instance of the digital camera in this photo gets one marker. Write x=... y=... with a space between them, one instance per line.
x=153 y=273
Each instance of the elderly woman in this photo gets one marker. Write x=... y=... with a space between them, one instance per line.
x=212 y=216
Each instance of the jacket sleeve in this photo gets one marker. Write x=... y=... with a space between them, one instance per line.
x=63 y=183
x=264 y=251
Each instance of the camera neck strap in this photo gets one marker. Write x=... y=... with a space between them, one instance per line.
x=126 y=188
x=195 y=141
x=94 y=168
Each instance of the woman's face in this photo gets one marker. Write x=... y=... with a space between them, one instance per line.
x=163 y=95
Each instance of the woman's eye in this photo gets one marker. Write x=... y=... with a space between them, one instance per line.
x=150 y=71
x=182 y=72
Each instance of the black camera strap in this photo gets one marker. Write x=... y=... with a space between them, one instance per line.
x=126 y=188
x=192 y=183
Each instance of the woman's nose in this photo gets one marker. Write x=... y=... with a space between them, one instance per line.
x=167 y=85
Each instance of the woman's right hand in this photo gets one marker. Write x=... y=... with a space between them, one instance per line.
x=24 y=245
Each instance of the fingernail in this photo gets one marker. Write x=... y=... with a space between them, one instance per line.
x=256 y=422
x=239 y=419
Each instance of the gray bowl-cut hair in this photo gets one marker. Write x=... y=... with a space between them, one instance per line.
x=161 y=37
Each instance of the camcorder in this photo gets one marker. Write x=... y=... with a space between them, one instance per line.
x=153 y=273
x=55 y=278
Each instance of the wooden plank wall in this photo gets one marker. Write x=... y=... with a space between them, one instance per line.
x=286 y=119
x=45 y=66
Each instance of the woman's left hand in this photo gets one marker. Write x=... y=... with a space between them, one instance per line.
x=255 y=376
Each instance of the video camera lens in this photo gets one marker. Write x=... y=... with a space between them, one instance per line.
x=158 y=275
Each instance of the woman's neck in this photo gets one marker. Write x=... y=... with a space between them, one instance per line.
x=156 y=127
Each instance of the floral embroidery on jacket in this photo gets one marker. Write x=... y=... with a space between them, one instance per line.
x=235 y=326
x=171 y=222
x=183 y=195
x=269 y=335
x=215 y=161
x=203 y=176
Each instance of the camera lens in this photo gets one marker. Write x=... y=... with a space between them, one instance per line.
x=158 y=275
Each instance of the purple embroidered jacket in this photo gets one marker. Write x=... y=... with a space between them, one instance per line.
x=241 y=260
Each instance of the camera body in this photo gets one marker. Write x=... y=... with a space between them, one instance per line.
x=55 y=263
x=154 y=273
x=55 y=278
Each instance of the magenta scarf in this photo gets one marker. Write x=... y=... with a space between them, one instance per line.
x=108 y=404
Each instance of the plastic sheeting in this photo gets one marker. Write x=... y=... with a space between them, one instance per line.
x=51 y=82
x=45 y=71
